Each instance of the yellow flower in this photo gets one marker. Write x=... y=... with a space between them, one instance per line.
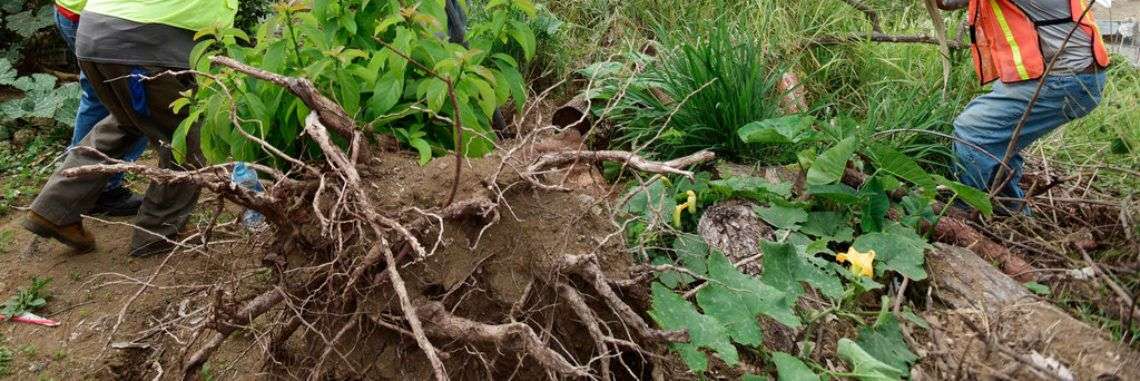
x=690 y=203
x=861 y=263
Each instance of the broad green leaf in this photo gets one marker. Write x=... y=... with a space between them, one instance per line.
x=885 y=342
x=790 y=368
x=914 y=318
x=897 y=248
x=974 y=197
x=828 y=168
x=7 y=72
x=753 y=188
x=514 y=82
x=526 y=6
x=865 y=366
x=653 y=203
x=671 y=279
x=505 y=59
x=1038 y=288
x=672 y=312
x=727 y=306
x=486 y=95
x=424 y=149
x=784 y=269
x=831 y=226
x=524 y=36
x=838 y=193
x=26 y=23
x=729 y=284
x=918 y=209
x=898 y=164
x=478 y=139
x=435 y=92
x=178 y=104
x=783 y=130
x=875 y=207
x=178 y=141
x=386 y=93
x=38 y=83
x=693 y=252
x=783 y=217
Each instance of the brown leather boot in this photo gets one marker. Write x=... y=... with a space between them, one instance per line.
x=73 y=235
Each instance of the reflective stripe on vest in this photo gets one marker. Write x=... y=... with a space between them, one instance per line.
x=1014 y=48
x=1006 y=42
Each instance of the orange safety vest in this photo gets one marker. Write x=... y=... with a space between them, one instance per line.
x=1005 y=41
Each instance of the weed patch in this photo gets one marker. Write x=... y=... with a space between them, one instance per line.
x=27 y=299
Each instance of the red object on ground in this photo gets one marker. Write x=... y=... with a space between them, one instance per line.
x=30 y=318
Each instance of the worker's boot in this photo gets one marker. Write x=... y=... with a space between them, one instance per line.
x=117 y=202
x=159 y=247
x=73 y=235
x=145 y=244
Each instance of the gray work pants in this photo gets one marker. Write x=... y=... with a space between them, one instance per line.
x=143 y=111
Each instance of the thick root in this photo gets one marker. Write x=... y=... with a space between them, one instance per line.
x=444 y=324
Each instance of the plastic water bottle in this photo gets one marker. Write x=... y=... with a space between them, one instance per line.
x=246 y=177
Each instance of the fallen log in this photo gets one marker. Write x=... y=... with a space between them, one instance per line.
x=967 y=282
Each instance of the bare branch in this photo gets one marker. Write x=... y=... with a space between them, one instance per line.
x=634 y=160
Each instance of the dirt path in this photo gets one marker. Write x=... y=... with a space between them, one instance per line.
x=87 y=292
x=70 y=350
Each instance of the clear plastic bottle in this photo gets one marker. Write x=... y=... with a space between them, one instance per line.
x=246 y=177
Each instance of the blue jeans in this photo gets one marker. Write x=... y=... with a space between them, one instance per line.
x=988 y=122
x=91 y=111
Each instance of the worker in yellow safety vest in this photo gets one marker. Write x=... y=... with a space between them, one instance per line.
x=126 y=48
x=1016 y=44
x=116 y=199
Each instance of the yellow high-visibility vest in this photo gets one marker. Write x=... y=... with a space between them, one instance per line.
x=193 y=15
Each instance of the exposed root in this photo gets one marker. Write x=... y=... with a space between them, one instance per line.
x=587 y=267
x=337 y=255
x=444 y=324
x=586 y=315
x=224 y=327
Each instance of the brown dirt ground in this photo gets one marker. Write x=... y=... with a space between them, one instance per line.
x=87 y=293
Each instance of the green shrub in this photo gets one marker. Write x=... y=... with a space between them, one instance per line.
x=356 y=52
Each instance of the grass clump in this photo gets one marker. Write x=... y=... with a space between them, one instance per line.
x=1107 y=141
x=5 y=361
x=694 y=96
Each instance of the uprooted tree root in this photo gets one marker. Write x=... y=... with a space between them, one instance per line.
x=340 y=254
